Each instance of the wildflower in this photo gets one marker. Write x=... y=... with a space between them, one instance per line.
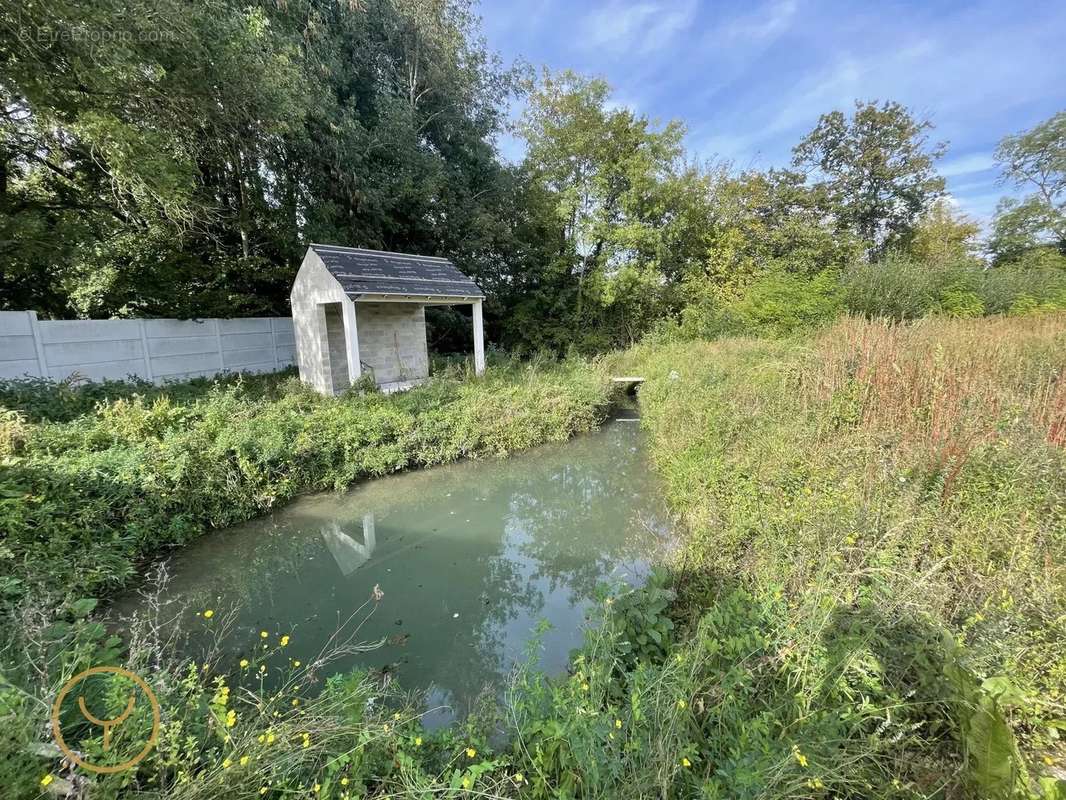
x=519 y=777
x=296 y=701
x=418 y=741
x=226 y=764
x=466 y=783
x=815 y=783
x=261 y=738
x=307 y=740
x=262 y=790
x=618 y=724
x=584 y=687
x=231 y=718
x=344 y=781
x=244 y=663
x=244 y=761
x=270 y=737
x=284 y=640
x=317 y=788
x=800 y=758
x=296 y=663
x=470 y=752
x=47 y=779
x=681 y=704
x=686 y=763
x=262 y=668
x=1049 y=760
x=208 y=614
x=395 y=716
x=263 y=634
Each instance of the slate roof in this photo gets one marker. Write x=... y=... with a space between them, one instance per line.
x=374 y=272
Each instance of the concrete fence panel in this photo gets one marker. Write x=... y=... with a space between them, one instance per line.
x=151 y=349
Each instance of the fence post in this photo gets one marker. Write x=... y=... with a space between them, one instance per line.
x=38 y=345
x=218 y=342
x=144 y=348
x=274 y=342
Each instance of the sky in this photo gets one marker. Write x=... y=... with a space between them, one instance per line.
x=750 y=79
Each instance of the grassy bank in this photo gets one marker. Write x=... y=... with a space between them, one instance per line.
x=890 y=505
x=869 y=600
x=95 y=480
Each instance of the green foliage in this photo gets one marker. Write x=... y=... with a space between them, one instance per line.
x=87 y=498
x=902 y=288
x=876 y=169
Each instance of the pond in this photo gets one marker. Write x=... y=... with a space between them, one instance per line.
x=470 y=558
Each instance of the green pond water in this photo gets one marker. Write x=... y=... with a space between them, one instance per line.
x=470 y=559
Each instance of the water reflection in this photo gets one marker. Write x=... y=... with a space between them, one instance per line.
x=470 y=557
x=347 y=552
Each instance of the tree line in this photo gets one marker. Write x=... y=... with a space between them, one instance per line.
x=160 y=158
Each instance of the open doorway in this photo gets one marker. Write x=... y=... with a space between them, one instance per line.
x=336 y=348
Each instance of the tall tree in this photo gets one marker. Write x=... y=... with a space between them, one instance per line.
x=876 y=169
x=944 y=236
x=622 y=200
x=1034 y=159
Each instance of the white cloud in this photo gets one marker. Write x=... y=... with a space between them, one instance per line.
x=966 y=165
x=636 y=28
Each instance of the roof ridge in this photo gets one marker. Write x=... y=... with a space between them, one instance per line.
x=315 y=245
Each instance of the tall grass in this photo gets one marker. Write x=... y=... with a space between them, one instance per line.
x=896 y=485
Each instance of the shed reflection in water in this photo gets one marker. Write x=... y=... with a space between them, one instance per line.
x=470 y=557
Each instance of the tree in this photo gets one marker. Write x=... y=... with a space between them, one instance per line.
x=876 y=170
x=623 y=201
x=944 y=236
x=1037 y=159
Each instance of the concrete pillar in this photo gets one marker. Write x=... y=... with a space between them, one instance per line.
x=479 y=340
x=351 y=332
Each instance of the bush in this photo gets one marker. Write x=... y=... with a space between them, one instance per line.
x=901 y=288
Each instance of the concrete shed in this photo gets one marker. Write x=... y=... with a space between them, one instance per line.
x=358 y=312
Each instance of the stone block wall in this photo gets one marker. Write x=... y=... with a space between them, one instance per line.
x=392 y=340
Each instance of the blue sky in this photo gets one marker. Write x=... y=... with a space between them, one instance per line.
x=749 y=79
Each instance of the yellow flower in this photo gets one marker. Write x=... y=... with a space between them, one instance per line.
x=470 y=752
x=296 y=701
x=466 y=783
x=262 y=738
x=307 y=740
x=685 y=762
x=47 y=779
x=584 y=687
x=284 y=640
x=227 y=764
x=244 y=663
x=318 y=788
x=344 y=781
x=208 y=614
x=263 y=634
x=270 y=738
x=395 y=716
x=800 y=758
x=244 y=761
x=815 y=783
x=519 y=777
x=418 y=741
x=296 y=663
x=262 y=668
x=1049 y=760
x=231 y=718
x=681 y=704
x=618 y=724
x=262 y=790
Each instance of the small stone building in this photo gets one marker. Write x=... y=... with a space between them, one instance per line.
x=358 y=312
